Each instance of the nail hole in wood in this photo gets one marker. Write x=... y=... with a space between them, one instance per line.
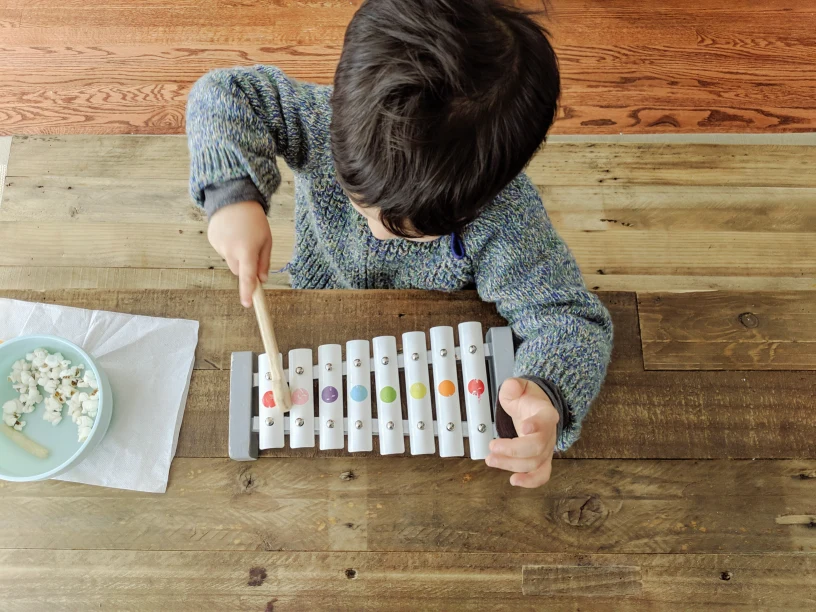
x=749 y=320
x=351 y=574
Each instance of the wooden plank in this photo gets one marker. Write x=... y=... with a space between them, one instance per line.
x=621 y=209
x=184 y=245
x=119 y=245
x=680 y=283
x=558 y=163
x=733 y=331
x=702 y=415
x=139 y=580
x=672 y=164
x=43 y=278
x=624 y=208
x=653 y=414
x=668 y=415
x=694 y=253
x=422 y=504
x=334 y=316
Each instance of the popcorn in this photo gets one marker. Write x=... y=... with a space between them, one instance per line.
x=90 y=380
x=84 y=427
x=12 y=411
x=53 y=380
x=30 y=399
x=53 y=410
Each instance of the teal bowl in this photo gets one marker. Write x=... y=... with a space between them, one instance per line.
x=65 y=451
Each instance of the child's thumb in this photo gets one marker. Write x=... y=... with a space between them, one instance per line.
x=510 y=395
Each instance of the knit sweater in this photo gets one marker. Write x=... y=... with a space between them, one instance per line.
x=240 y=121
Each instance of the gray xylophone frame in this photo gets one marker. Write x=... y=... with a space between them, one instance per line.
x=243 y=407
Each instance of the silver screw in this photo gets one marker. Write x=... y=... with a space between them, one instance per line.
x=449 y=426
x=298 y=370
x=358 y=424
x=472 y=349
x=443 y=352
x=389 y=425
x=421 y=425
x=385 y=361
x=270 y=421
x=330 y=424
x=357 y=363
x=328 y=367
x=268 y=376
x=482 y=428
x=415 y=356
x=299 y=422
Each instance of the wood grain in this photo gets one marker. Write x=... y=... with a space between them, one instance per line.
x=628 y=231
x=685 y=68
x=581 y=581
x=278 y=581
x=557 y=164
x=737 y=331
x=45 y=278
x=391 y=504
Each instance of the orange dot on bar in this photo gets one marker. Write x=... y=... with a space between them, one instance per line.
x=447 y=388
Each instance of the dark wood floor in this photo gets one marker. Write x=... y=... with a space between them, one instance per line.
x=115 y=66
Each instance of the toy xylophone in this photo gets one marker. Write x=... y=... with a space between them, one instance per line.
x=433 y=410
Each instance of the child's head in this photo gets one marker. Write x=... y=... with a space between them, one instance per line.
x=437 y=106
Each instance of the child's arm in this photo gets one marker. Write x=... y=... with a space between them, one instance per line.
x=238 y=122
x=523 y=266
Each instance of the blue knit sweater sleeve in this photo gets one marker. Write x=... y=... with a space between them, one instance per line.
x=239 y=120
x=522 y=265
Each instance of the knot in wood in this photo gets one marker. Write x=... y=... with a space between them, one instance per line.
x=248 y=481
x=749 y=320
x=582 y=512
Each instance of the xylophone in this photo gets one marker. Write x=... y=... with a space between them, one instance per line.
x=257 y=423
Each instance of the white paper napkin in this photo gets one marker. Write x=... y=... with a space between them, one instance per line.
x=148 y=361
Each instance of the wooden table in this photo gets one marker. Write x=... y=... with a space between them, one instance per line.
x=693 y=486
x=689 y=489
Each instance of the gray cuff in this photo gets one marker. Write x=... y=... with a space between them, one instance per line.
x=223 y=194
x=557 y=400
x=504 y=423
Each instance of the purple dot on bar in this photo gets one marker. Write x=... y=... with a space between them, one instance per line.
x=329 y=394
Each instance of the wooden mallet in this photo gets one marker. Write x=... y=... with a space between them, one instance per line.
x=280 y=390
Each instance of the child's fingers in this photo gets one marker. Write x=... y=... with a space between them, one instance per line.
x=537 y=478
x=515 y=464
x=247 y=278
x=525 y=446
x=263 y=261
x=233 y=265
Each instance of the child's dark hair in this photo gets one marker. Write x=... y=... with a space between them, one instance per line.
x=437 y=106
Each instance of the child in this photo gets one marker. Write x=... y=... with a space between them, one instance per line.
x=408 y=175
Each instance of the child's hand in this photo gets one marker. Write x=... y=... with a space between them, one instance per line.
x=240 y=234
x=536 y=421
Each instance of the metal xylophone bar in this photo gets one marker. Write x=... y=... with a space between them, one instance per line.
x=256 y=424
